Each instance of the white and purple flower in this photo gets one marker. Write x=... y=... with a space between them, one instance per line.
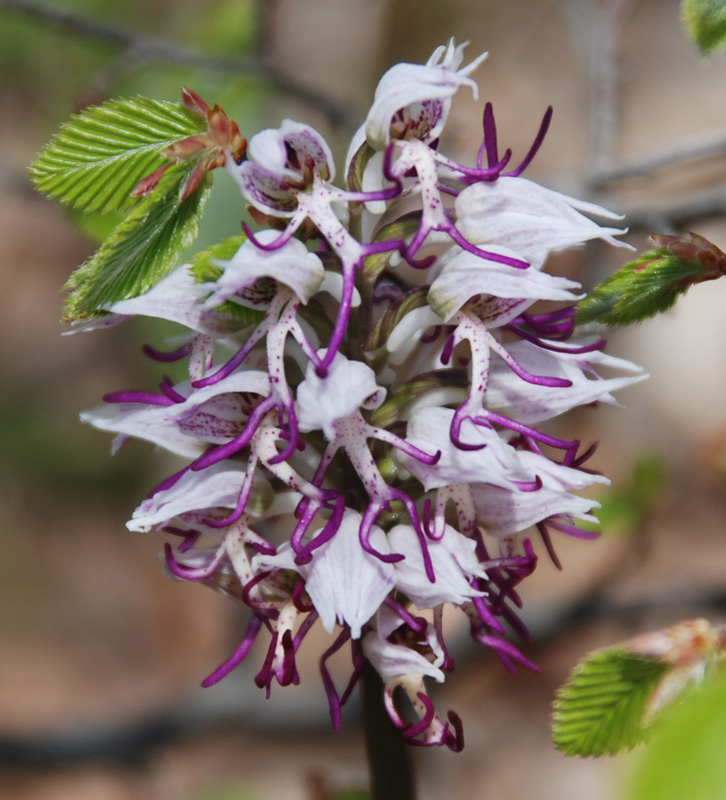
x=372 y=452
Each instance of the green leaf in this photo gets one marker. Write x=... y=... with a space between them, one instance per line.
x=705 y=22
x=206 y=271
x=141 y=250
x=96 y=159
x=602 y=708
x=654 y=281
x=686 y=759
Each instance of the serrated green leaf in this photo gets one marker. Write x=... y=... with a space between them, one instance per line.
x=205 y=270
x=141 y=250
x=705 y=22
x=96 y=159
x=642 y=288
x=602 y=707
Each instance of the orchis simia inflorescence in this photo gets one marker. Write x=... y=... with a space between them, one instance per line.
x=361 y=425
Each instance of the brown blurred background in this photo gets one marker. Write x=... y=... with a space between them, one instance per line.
x=100 y=656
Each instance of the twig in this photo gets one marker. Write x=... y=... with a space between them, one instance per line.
x=706 y=147
x=136 y=741
x=140 y=49
x=676 y=215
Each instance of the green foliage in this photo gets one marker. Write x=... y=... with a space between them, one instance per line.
x=96 y=159
x=705 y=22
x=141 y=250
x=602 y=708
x=653 y=282
x=642 y=288
x=686 y=759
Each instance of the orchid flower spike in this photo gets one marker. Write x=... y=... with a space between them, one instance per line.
x=362 y=429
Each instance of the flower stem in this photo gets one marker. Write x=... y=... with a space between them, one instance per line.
x=388 y=757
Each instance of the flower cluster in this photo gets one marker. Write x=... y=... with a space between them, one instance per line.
x=366 y=385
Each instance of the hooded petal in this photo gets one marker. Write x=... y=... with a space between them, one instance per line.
x=348 y=386
x=396 y=660
x=531 y=403
x=215 y=487
x=428 y=429
x=454 y=563
x=504 y=512
x=292 y=264
x=177 y=298
x=211 y=415
x=465 y=275
x=421 y=93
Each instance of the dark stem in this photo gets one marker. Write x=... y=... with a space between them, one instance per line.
x=388 y=756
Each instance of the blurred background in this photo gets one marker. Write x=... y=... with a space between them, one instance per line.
x=101 y=656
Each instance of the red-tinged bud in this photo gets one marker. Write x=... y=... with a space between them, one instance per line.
x=209 y=150
x=226 y=134
x=688 y=642
x=185 y=148
x=194 y=102
x=192 y=180
x=693 y=247
x=150 y=182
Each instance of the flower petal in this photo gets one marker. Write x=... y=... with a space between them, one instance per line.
x=465 y=275
x=215 y=487
x=396 y=660
x=422 y=93
x=454 y=563
x=428 y=429
x=531 y=403
x=292 y=264
x=209 y=415
x=528 y=218
x=348 y=386
x=346 y=583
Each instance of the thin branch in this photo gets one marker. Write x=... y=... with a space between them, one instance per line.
x=138 y=740
x=679 y=214
x=140 y=49
x=679 y=153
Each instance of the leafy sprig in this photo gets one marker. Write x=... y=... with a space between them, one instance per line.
x=99 y=156
x=141 y=250
x=150 y=159
x=614 y=697
x=653 y=282
x=705 y=23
